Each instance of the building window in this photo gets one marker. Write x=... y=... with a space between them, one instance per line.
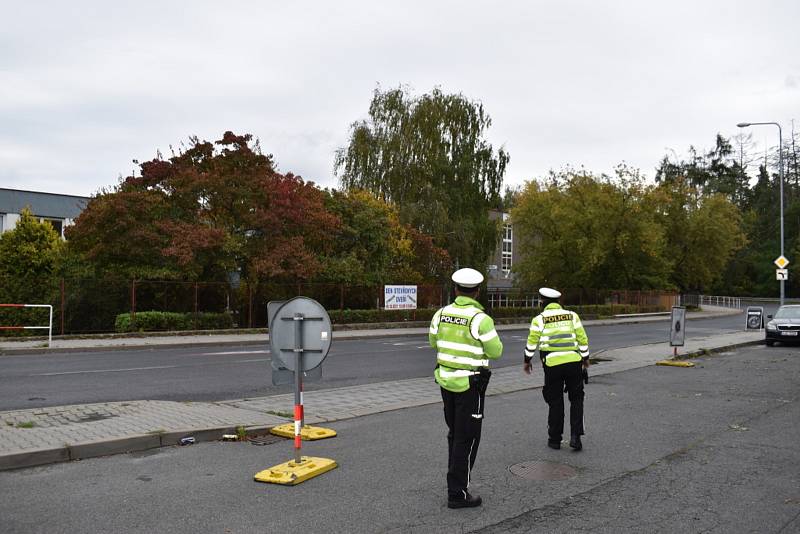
x=508 y=246
x=57 y=224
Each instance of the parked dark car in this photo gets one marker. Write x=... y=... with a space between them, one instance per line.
x=784 y=326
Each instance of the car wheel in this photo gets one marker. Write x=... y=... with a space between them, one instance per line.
x=769 y=343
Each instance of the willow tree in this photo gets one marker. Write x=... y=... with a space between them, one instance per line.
x=428 y=155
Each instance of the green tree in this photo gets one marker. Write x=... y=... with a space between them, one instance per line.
x=703 y=232
x=28 y=254
x=361 y=250
x=372 y=246
x=428 y=155
x=29 y=257
x=581 y=230
x=715 y=171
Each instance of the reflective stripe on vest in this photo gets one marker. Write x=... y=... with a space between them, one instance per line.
x=458 y=373
x=446 y=359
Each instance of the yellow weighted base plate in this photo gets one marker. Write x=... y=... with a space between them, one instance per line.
x=291 y=473
x=307 y=433
x=673 y=363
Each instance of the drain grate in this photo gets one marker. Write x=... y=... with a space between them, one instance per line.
x=537 y=470
x=266 y=439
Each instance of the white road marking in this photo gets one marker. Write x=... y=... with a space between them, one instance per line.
x=234 y=352
x=147 y=368
x=108 y=370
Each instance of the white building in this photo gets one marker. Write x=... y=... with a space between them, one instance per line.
x=501 y=289
x=58 y=210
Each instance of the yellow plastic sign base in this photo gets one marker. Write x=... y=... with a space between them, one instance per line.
x=675 y=363
x=291 y=473
x=307 y=433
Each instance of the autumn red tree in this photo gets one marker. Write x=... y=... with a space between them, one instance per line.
x=210 y=209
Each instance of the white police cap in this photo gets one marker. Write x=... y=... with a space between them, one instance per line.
x=548 y=293
x=467 y=277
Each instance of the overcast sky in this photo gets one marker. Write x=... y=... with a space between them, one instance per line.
x=86 y=87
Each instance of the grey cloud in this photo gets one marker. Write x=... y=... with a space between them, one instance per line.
x=83 y=92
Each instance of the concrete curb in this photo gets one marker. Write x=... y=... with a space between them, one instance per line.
x=715 y=350
x=128 y=444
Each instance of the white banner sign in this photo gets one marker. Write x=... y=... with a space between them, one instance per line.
x=400 y=297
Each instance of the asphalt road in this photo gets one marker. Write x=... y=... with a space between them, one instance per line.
x=225 y=372
x=709 y=449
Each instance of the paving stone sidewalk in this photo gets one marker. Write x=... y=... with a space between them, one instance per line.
x=45 y=435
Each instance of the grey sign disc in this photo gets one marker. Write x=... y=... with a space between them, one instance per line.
x=755 y=318
x=315 y=333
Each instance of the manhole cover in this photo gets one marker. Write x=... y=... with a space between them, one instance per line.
x=536 y=470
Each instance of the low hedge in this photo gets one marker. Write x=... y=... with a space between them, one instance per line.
x=153 y=321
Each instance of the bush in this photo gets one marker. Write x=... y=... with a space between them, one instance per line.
x=380 y=316
x=154 y=321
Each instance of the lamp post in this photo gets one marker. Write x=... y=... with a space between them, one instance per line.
x=780 y=173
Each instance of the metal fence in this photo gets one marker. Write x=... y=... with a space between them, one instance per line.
x=711 y=300
x=87 y=305
x=92 y=305
x=586 y=297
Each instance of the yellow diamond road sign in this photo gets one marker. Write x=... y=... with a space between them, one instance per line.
x=781 y=262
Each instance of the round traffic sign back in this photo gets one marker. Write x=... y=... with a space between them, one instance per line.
x=300 y=324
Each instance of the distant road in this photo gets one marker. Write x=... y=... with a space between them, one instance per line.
x=225 y=372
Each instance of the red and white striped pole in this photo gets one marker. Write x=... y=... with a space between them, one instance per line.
x=49 y=327
x=298 y=425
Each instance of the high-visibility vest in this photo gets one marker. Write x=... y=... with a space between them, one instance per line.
x=465 y=340
x=559 y=336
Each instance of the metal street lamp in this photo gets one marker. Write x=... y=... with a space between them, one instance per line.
x=780 y=173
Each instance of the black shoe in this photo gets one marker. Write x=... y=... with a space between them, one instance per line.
x=470 y=502
x=554 y=444
x=575 y=443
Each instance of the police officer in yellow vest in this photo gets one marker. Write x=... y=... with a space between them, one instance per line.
x=465 y=340
x=564 y=351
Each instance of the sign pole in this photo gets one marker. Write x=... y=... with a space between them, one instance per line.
x=298 y=384
x=298 y=348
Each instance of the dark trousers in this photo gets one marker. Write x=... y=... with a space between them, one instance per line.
x=463 y=413
x=555 y=380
